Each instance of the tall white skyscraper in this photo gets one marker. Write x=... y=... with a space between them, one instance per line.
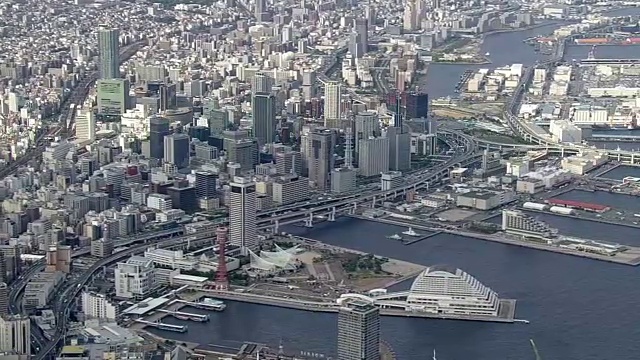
x=373 y=157
x=332 y=103
x=85 y=125
x=15 y=334
x=242 y=214
x=261 y=83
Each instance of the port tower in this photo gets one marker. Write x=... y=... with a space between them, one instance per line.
x=222 y=277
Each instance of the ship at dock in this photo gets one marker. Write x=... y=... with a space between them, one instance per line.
x=210 y=304
x=411 y=232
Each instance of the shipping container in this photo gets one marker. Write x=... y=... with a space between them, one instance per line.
x=534 y=206
x=561 y=210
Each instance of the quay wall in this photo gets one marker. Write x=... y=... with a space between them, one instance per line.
x=334 y=307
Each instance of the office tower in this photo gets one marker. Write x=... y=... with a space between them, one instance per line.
x=242 y=214
x=158 y=129
x=358 y=331
x=332 y=103
x=399 y=148
x=85 y=125
x=263 y=109
x=367 y=125
x=12 y=261
x=206 y=184
x=261 y=83
x=168 y=99
x=176 y=150
x=416 y=105
x=361 y=27
x=15 y=334
x=109 y=48
x=343 y=180
x=289 y=162
x=113 y=96
x=241 y=149
x=373 y=157
x=4 y=299
x=320 y=157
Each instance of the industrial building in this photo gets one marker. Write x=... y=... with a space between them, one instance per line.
x=484 y=199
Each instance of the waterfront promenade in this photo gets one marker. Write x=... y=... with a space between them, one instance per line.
x=507 y=307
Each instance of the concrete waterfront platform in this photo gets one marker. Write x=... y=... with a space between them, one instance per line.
x=506 y=310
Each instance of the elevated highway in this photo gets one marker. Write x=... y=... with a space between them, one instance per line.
x=526 y=131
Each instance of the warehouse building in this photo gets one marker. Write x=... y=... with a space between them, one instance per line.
x=485 y=199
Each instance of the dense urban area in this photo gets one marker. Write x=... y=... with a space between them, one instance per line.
x=166 y=167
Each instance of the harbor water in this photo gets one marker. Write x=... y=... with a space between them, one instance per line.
x=578 y=308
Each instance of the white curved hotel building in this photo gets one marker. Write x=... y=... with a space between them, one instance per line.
x=447 y=290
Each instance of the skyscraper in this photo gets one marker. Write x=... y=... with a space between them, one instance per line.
x=417 y=105
x=15 y=334
x=358 y=331
x=263 y=108
x=361 y=27
x=206 y=184
x=4 y=299
x=85 y=125
x=332 y=104
x=373 y=157
x=113 y=96
x=109 y=48
x=367 y=125
x=242 y=214
x=176 y=150
x=158 y=129
x=320 y=159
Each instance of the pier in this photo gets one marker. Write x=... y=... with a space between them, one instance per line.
x=164 y=326
x=201 y=305
x=186 y=316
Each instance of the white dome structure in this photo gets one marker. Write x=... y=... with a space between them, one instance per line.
x=447 y=290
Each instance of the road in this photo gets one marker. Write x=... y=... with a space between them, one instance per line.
x=73 y=289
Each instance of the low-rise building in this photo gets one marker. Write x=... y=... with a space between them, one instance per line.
x=484 y=199
x=584 y=162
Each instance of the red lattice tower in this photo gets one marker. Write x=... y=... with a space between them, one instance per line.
x=222 y=277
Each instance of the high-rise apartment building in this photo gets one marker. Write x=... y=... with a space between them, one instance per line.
x=261 y=83
x=109 y=49
x=15 y=335
x=176 y=150
x=263 y=106
x=4 y=299
x=85 y=125
x=358 y=331
x=332 y=104
x=242 y=214
x=98 y=306
x=158 y=129
x=319 y=157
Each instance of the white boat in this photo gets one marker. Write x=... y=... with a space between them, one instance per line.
x=487 y=54
x=410 y=232
x=394 y=237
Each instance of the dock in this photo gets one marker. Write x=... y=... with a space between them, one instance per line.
x=506 y=310
x=186 y=316
x=163 y=326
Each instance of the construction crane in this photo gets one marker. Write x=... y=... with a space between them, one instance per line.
x=535 y=349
